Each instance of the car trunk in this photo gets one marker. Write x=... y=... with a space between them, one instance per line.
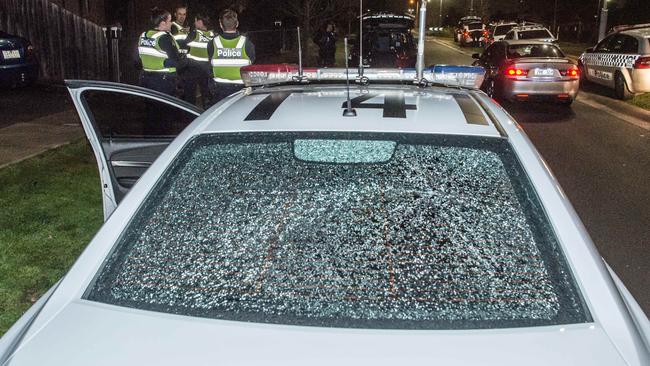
x=86 y=333
x=553 y=67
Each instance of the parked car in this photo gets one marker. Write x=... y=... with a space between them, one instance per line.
x=18 y=64
x=422 y=229
x=460 y=28
x=529 y=70
x=498 y=31
x=473 y=34
x=530 y=33
x=620 y=61
x=387 y=42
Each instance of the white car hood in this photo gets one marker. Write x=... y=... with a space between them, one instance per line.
x=85 y=333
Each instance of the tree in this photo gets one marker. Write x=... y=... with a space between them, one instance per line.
x=311 y=14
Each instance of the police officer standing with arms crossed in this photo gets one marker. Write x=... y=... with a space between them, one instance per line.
x=228 y=53
x=200 y=71
x=159 y=54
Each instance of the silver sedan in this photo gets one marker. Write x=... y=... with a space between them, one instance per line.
x=529 y=70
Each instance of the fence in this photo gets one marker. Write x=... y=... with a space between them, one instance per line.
x=67 y=45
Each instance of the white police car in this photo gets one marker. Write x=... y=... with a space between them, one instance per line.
x=620 y=61
x=281 y=227
x=531 y=33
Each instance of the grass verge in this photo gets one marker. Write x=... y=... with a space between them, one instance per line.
x=51 y=209
x=641 y=100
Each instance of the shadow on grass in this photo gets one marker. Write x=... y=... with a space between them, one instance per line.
x=54 y=209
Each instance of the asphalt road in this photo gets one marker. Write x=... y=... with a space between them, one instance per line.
x=603 y=165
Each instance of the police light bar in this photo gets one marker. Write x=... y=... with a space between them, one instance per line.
x=449 y=75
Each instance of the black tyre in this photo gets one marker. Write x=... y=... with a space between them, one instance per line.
x=583 y=76
x=620 y=87
x=566 y=103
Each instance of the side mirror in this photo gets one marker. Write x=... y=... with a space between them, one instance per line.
x=476 y=55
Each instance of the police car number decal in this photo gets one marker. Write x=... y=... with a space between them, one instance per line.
x=394 y=105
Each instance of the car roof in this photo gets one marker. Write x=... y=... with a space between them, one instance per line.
x=525 y=41
x=529 y=28
x=641 y=32
x=287 y=108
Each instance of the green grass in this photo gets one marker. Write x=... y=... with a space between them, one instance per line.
x=573 y=49
x=51 y=208
x=641 y=100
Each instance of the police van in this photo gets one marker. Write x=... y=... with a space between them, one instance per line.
x=620 y=61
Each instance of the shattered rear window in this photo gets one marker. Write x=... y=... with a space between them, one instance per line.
x=392 y=231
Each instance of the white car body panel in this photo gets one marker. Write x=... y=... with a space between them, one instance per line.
x=73 y=331
x=109 y=335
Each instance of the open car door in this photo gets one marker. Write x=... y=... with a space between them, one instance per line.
x=128 y=128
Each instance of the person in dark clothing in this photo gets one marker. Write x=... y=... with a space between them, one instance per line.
x=199 y=72
x=159 y=54
x=326 y=41
x=228 y=53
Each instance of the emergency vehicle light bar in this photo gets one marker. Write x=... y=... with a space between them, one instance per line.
x=449 y=75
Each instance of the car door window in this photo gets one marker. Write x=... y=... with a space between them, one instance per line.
x=604 y=45
x=510 y=35
x=128 y=128
x=131 y=116
x=630 y=45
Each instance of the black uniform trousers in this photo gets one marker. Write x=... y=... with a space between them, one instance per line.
x=163 y=82
x=222 y=90
x=198 y=75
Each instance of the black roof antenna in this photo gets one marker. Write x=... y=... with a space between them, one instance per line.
x=349 y=111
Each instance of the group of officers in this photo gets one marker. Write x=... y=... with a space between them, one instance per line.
x=179 y=60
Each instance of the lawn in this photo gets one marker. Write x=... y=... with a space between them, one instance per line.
x=51 y=208
x=641 y=100
x=573 y=49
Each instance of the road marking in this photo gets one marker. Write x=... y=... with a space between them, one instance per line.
x=629 y=119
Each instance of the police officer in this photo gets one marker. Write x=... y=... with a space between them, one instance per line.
x=159 y=54
x=179 y=30
x=228 y=52
x=199 y=71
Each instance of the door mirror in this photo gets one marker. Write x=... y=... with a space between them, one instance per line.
x=476 y=55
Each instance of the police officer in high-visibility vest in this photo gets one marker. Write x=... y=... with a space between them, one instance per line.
x=159 y=54
x=199 y=71
x=179 y=29
x=228 y=53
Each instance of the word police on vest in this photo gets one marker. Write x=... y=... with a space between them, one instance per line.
x=147 y=42
x=229 y=52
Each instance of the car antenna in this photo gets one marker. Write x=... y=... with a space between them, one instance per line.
x=349 y=111
x=360 y=39
x=422 y=26
x=300 y=74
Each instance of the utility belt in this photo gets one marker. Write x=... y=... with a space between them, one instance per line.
x=159 y=75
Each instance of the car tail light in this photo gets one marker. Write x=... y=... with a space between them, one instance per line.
x=466 y=34
x=29 y=51
x=642 y=63
x=573 y=73
x=513 y=72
